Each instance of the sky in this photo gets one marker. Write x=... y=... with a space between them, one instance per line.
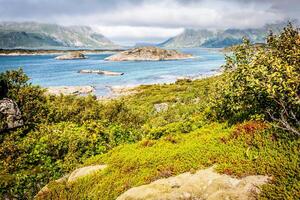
x=130 y=21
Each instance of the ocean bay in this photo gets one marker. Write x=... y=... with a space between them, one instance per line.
x=45 y=71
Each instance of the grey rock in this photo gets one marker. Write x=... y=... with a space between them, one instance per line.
x=161 y=107
x=11 y=113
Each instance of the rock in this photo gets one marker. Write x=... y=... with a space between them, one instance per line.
x=78 y=173
x=70 y=90
x=11 y=114
x=45 y=189
x=102 y=72
x=71 y=56
x=204 y=184
x=69 y=178
x=161 y=107
x=148 y=54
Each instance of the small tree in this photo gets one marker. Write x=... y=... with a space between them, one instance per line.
x=263 y=82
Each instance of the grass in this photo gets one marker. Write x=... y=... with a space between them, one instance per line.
x=237 y=151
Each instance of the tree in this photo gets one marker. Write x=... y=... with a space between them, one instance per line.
x=263 y=81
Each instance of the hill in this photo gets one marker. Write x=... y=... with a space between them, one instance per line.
x=220 y=38
x=38 y=35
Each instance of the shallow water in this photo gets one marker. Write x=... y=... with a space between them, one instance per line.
x=44 y=70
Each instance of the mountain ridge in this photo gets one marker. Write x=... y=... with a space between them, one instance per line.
x=42 y=35
x=221 y=38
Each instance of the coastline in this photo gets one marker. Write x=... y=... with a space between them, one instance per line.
x=36 y=52
x=117 y=91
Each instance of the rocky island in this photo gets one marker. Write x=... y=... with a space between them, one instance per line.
x=101 y=72
x=71 y=56
x=148 y=54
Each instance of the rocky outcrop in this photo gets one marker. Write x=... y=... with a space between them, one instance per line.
x=101 y=72
x=70 y=90
x=71 y=56
x=204 y=184
x=159 y=107
x=148 y=54
x=10 y=115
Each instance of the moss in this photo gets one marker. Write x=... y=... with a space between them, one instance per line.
x=136 y=164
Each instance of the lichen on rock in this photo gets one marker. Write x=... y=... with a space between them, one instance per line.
x=10 y=114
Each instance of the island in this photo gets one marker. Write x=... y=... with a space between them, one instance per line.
x=148 y=54
x=101 y=72
x=71 y=56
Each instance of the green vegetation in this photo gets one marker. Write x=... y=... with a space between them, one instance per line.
x=234 y=121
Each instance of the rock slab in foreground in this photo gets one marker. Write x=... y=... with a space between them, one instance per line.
x=11 y=114
x=148 y=54
x=205 y=184
x=101 y=72
x=71 y=56
x=70 y=90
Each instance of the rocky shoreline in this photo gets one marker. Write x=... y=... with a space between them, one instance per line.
x=70 y=90
x=30 y=52
x=115 y=91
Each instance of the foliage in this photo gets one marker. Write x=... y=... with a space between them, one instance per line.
x=263 y=82
x=245 y=149
x=30 y=99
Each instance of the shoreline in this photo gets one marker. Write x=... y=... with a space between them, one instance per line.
x=37 y=52
x=117 y=91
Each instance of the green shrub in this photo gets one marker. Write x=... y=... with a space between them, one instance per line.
x=30 y=99
x=263 y=82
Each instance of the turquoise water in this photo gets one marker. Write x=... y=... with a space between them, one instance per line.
x=44 y=70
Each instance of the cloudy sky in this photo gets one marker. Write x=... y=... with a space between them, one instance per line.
x=130 y=21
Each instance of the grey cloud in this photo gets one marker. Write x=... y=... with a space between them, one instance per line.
x=53 y=10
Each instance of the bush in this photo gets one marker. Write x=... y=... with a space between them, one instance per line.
x=30 y=99
x=263 y=82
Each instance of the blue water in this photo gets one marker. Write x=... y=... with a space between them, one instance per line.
x=45 y=71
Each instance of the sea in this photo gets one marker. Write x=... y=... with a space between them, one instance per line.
x=45 y=71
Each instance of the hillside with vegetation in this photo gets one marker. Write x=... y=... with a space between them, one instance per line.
x=243 y=122
x=40 y=36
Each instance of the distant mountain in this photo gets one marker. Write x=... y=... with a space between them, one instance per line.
x=220 y=38
x=145 y=44
x=37 y=35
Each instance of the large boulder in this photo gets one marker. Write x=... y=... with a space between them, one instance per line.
x=10 y=115
x=148 y=54
x=204 y=184
x=84 y=171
